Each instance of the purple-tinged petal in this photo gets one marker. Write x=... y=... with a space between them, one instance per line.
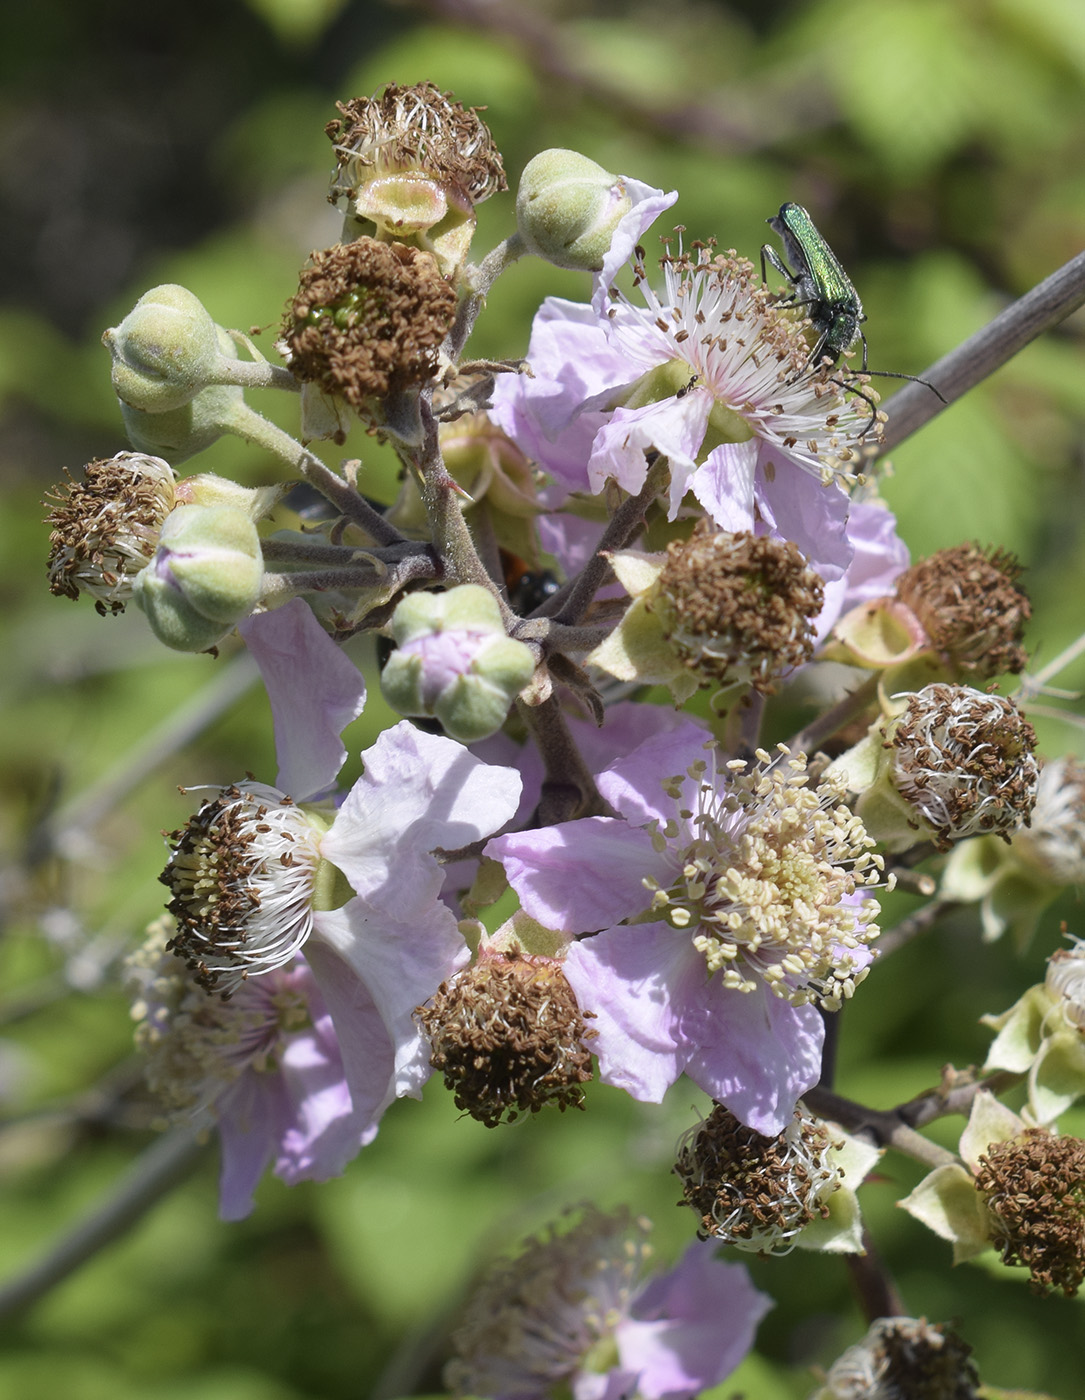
x=691 y=1327
x=364 y=1041
x=757 y=1054
x=880 y=556
x=252 y=1116
x=614 y=1384
x=315 y=692
x=800 y=508
x=648 y=204
x=418 y=792
x=673 y=427
x=880 y=553
x=401 y=965
x=644 y=984
x=582 y=875
x=572 y=362
x=633 y=784
x=724 y=485
x=326 y=1131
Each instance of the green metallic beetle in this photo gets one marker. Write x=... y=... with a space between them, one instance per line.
x=826 y=291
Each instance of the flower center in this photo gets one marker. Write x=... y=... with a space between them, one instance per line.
x=243 y=875
x=768 y=871
x=196 y=1046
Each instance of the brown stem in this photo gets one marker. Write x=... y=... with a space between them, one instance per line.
x=913 y=926
x=161 y=1167
x=874 y=1286
x=571 y=601
x=568 y=789
x=1048 y=303
x=887 y=1128
x=810 y=738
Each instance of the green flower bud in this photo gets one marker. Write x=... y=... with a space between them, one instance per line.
x=164 y=351
x=455 y=662
x=205 y=577
x=567 y=209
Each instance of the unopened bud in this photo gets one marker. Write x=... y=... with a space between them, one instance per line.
x=455 y=661
x=205 y=577
x=568 y=207
x=164 y=351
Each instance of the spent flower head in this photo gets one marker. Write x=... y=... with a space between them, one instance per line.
x=508 y=1037
x=763 y=1194
x=105 y=528
x=413 y=163
x=716 y=609
x=1018 y=1188
x=949 y=763
x=904 y=1358
x=413 y=129
x=968 y=603
x=574 y=1313
x=738 y=606
x=368 y=320
x=1034 y=1189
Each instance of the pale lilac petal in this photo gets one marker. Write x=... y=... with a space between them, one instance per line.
x=724 y=485
x=364 y=1041
x=614 y=1384
x=571 y=361
x=674 y=427
x=580 y=875
x=327 y=1132
x=879 y=557
x=880 y=553
x=691 y=1327
x=648 y=204
x=252 y=1116
x=315 y=692
x=757 y=1054
x=633 y=784
x=418 y=792
x=401 y=966
x=800 y=508
x=643 y=985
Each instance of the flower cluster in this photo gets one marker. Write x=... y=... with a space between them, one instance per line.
x=543 y=873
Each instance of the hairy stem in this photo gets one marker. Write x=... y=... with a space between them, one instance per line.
x=250 y=426
x=571 y=601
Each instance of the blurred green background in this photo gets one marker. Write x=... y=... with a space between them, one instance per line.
x=938 y=144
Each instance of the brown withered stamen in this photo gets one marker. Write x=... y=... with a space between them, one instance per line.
x=105 y=528
x=414 y=127
x=368 y=319
x=964 y=760
x=1034 y=1187
x=970 y=606
x=738 y=604
x=750 y=1190
x=509 y=1038
x=906 y=1357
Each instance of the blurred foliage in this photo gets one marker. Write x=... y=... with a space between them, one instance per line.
x=938 y=144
